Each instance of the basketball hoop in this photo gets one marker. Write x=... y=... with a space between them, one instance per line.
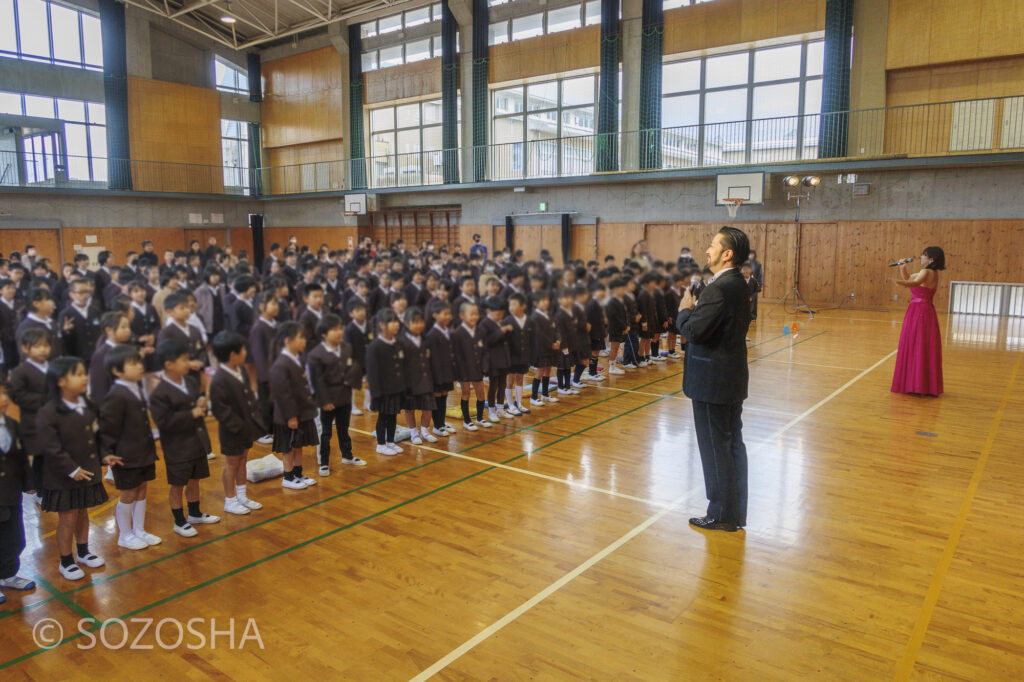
x=350 y=213
x=733 y=205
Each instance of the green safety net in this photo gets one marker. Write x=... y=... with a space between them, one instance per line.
x=606 y=145
x=449 y=97
x=835 y=82
x=651 y=39
x=357 y=150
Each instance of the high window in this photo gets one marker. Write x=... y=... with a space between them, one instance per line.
x=41 y=31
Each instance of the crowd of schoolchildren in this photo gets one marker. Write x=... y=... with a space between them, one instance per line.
x=94 y=358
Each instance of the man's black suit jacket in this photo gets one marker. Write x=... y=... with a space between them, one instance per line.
x=715 y=368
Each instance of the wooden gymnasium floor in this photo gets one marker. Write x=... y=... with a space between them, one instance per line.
x=885 y=540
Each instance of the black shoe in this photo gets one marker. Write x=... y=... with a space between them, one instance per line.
x=709 y=523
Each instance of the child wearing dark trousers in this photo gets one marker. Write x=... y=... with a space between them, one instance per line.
x=520 y=350
x=261 y=348
x=294 y=407
x=334 y=373
x=239 y=422
x=442 y=365
x=66 y=435
x=581 y=350
x=598 y=328
x=470 y=346
x=565 y=327
x=179 y=410
x=496 y=332
x=419 y=381
x=546 y=347
x=125 y=432
x=28 y=391
x=15 y=478
x=384 y=372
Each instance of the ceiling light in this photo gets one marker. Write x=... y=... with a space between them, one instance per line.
x=227 y=18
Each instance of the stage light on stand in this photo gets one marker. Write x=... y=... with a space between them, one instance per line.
x=791 y=180
x=811 y=181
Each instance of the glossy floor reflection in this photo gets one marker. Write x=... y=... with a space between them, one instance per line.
x=884 y=539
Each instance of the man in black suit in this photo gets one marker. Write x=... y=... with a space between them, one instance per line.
x=715 y=379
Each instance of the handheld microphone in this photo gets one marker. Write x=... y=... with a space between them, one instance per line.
x=901 y=262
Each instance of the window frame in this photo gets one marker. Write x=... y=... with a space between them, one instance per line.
x=20 y=54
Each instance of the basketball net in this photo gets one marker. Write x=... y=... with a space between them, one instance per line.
x=733 y=206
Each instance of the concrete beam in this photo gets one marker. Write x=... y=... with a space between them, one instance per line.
x=632 y=16
x=338 y=34
x=462 y=10
x=47 y=80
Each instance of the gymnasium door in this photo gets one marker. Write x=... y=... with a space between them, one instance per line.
x=818 y=257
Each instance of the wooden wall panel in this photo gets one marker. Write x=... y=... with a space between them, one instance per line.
x=617 y=239
x=924 y=32
x=737 y=22
x=302 y=98
x=335 y=236
x=583 y=243
x=287 y=175
x=47 y=243
x=550 y=54
x=171 y=125
x=419 y=79
x=121 y=240
x=818 y=247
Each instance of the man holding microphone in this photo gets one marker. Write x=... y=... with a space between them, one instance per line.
x=715 y=379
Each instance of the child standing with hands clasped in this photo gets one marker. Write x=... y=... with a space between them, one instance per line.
x=334 y=373
x=384 y=372
x=470 y=346
x=420 y=382
x=125 y=432
x=545 y=349
x=15 y=478
x=71 y=462
x=442 y=366
x=238 y=418
x=294 y=407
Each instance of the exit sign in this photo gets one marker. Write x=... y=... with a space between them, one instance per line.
x=543 y=206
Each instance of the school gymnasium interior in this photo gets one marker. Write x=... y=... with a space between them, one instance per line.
x=885 y=531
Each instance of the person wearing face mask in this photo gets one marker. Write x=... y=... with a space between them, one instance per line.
x=478 y=249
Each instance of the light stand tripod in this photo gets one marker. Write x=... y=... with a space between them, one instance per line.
x=800 y=304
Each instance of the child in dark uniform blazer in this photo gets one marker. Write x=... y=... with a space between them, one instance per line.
x=116 y=330
x=545 y=349
x=28 y=391
x=71 y=462
x=334 y=373
x=565 y=327
x=294 y=407
x=238 y=418
x=177 y=328
x=419 y=380
x=618 y=324
x=442 y=365
x=125 y=432
x=520 y=349
x=581 y=339
x=261 y=348
x=358 y=335
x=145 y=327
x=179 y=411
x=385 y=374
x=15 y=478
x=470 y=345
x=496 y=332
x=598 y=328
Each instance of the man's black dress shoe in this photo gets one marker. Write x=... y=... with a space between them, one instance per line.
x=709 y=523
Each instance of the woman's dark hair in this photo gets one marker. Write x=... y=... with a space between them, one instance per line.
x=57 y=369
x=938 y=258
x=286 y=330
x=384 y=316
x=736 y=240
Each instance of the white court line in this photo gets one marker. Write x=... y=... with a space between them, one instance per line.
x=498 y=465
x=512 y=615
x=811 y=364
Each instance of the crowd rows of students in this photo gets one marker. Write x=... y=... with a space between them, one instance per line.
x=94 y=358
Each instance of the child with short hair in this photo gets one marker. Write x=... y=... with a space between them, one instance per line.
x=145 y=324
x=238 y=418
x=442 y=366
x=581 y=326
x=294 y=407
x=117 y=330
x=261 y=347
x=179 y=411
x=673 y=296
x=15 y=479
x=546 y=346
x=40 y=306
x=334 y=373
x=419 y=381
x=470 y=345
x=386 y=377
x=618 y=324
x=83 y=313
x=597 y=328
x=358 y=335
x=565 y=326
x=125 y=433
x=313 y=311
x=67 y=438
x=178 y=308
x=28 y=391
x=520 y=348
x=631 y=353
x=498 y=359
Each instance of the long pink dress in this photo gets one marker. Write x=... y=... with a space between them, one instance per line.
x=919 y=357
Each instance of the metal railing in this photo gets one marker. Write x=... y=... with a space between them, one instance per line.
x=942 y=129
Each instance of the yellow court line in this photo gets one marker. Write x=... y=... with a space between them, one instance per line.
x=497 y=465
x=906 y=664
x=94 y=512
x=512 y=615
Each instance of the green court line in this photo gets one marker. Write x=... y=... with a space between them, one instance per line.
x=363 y=520
x=63 y=599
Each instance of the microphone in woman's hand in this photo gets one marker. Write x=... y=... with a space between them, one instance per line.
x=901 y=262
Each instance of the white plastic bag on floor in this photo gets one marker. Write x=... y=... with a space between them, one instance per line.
x=261 y=469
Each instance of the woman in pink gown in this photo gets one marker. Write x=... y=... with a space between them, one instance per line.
x=919 y=357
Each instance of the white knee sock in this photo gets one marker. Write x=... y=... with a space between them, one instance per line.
x=519 y=395
x=139 y=516
x=123 y=515
x=240 y=492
